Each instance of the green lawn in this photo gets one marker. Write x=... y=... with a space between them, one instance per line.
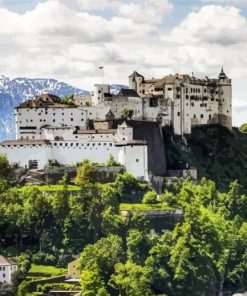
x=50 y=270
x=53 y=187
x=143 y=207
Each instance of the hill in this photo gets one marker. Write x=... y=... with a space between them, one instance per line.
x=217 y=153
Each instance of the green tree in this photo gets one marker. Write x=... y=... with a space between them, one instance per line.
x=127 y=113
x=103 y=255
x=112 y=162
x=92 y=284
x=138 y=246
x=150 y=198
x=85 y=174
x=4 y=167
x=131 y=279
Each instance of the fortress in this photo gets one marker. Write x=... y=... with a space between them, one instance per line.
x=92 y=126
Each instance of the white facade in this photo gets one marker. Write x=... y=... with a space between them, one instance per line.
x=7 y=269
x=99 y=93
x=67 y=148
x=30 y=121
x=183 y=101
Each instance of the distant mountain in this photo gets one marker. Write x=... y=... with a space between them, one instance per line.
x=15 y=91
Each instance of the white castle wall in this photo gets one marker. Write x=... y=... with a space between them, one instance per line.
x=30 y=120
x=134 y=158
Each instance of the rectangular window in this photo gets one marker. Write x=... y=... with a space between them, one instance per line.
x=178 y=113
x=153 y=102
x=201 y=115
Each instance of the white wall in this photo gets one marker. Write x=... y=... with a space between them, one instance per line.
x=72 y=152
x=99 y=91
x=135 y=160
x=6 y=272
x=26 y=118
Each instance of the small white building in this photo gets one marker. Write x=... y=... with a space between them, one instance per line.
x=7 y=268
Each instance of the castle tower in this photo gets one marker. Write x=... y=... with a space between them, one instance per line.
x=135 y=82
x=225 y=100
x=99 y=93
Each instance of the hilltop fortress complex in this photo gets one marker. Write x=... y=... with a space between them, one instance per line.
x=92 y=127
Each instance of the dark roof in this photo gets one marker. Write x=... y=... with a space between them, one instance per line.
x=136 y=74
x=222 y=74
x=99 y=131
x=131 y=142
x=125 y=92
x=26 y=142
x=44 y=101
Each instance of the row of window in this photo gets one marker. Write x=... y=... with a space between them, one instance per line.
x=78 y=144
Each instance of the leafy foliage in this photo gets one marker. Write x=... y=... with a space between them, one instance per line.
x=243 y=128
x=150 y=198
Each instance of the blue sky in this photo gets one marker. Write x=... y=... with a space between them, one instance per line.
x=69 y=39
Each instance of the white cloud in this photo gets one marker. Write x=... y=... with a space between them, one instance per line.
x=213 y=24
x=94 y=5
x=148 y=11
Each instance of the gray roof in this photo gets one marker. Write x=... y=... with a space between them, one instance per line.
x=128 y=93
x=136 y=74
x=131 y=143
x=25 y=142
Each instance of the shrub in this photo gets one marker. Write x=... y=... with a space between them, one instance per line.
x=44 y=258
x=168 y=198
x=4 y=166
x=150 y=198
x=112 y=162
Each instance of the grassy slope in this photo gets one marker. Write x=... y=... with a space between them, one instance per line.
x=54 y=188
x=218 y=154
x=49 y=270
x=142 y=207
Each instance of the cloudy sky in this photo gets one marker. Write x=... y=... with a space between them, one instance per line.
x=69 y=39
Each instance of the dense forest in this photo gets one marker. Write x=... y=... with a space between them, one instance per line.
x=217 y=153
x=119 y=255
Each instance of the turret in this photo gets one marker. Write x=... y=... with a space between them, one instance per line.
x=99 y=93
x=225 y=100
x=135 y=81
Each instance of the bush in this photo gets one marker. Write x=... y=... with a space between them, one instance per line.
x=243 y=128
x=57 y=286
x=126 y=183
x=112 y=162
x=53 y=163
x=150 y=198
x=169 y=199
x=4 y=166
x=44 y=258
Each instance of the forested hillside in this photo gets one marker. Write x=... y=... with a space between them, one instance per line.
x=120 y=255
x=217 y=153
